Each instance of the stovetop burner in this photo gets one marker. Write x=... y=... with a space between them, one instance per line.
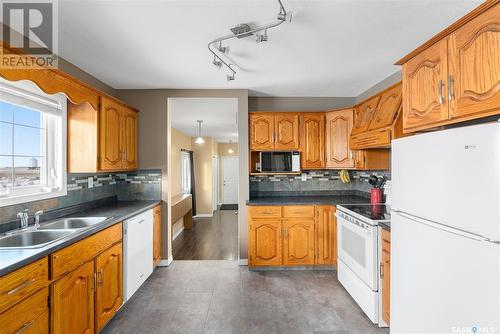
x=373 y=212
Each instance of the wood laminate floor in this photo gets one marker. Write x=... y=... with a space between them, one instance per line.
x=214 y=238
x=220 y=297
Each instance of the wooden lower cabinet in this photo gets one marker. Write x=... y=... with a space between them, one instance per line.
x=109 y=289
x=156 y=235
x=31 y=316
x=294 y=236
x=386 y=276
x=72 y=296
x=298 y=241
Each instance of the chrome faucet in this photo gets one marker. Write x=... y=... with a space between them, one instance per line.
x=37 y=219
x=23 y=216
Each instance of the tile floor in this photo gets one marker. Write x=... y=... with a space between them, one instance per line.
x=220 y=297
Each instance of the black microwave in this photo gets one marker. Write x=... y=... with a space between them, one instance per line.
x=279 y=162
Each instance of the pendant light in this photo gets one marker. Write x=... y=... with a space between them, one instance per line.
x=230 y=150
x=200 y=139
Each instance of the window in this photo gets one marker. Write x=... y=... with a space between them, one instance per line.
x=32 y=143
x=185 y=173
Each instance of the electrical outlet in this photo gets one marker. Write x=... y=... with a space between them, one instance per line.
x=90 y=182
x=304 y=177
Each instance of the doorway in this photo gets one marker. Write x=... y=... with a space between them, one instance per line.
x=229 y=180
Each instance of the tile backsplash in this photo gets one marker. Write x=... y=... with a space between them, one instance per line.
x=137 y=185
x=317 y=182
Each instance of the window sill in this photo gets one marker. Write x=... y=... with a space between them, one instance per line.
x=21 y=198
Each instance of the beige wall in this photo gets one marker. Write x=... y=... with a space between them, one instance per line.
x=380 y=86
x=272 y=103
x=75 y=71
x=203 y=173
x=179 y=142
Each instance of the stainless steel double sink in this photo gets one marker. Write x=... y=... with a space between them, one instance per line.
x=47 y=233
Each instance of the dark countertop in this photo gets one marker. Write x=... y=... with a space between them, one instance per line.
x=13 y=259
x=308 y=200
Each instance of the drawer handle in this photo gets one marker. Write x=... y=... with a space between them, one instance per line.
x=20 y=286
x=24 y=327
x=267 y=212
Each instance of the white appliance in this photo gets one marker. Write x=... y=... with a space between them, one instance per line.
x=445 y=231
x=358 y=267
x=137 y=252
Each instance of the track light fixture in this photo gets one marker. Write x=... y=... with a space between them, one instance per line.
x=241 y=31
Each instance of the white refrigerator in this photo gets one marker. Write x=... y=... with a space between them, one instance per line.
x=445 y=231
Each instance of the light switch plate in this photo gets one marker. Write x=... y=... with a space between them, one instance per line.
x=90 y=182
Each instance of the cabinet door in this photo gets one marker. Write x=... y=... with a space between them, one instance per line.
x=73 y=302
x=298 y=242
x=386 y=276
x=387 y=108
x=286 y=131
x=261 y=131
x=424 y=88
x=110 y=146
x=312 y=142
x=129 y=139
x=474 y=67
x=326 y=235
x=156 y=235
x=30 y=316
x=364 y=115
x=338 y=130
x=265 y=243
x=108 y=297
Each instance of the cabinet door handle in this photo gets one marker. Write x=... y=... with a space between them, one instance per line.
x=20 y=286
x=100 y=277
x=451 y=82
x=24 y=327
x=381 y=270
x=440 y=92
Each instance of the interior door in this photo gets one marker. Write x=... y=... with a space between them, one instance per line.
x=110 y=135
x=338 y=130
x=230 y=180
x=312 y=142
x=298 y=241
x=109 y=293
x=261 y=131
x=474 y=66
x=129 y=139
x=72 y=296
x=424 y=87
x=286 y=131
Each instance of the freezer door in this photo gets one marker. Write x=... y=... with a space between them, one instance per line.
x=442 y=282
x=451 y=177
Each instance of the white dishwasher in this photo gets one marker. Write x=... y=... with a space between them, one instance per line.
x=137 y=252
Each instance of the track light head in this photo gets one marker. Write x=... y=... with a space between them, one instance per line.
x=262 y=37
x=287 y=17
x=217 y=63
x=223 y=49
x=230 y=77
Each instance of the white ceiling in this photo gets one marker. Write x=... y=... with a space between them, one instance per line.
x=219 y=116
x=331 y=48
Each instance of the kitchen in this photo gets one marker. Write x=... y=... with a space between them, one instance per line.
x=367 y=203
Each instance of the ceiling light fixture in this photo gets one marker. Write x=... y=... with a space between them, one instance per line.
x=243 y=30
x=230 y=150
x=200 y=139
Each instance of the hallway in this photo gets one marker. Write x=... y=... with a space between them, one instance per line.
x=214 y=238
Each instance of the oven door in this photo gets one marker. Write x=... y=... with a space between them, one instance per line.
x=357 y=248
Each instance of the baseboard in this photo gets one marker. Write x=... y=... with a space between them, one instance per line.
x=243 y=262
x=204 y=215
x=178 y=232
x=165 y=263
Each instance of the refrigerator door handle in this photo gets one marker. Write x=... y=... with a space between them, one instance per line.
x=443 y=227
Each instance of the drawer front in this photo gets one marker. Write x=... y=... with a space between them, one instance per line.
x=371 y=139
x=298 y=211
x=265 y=211
x=23 y=282
x=73 y=256
x=29 y=316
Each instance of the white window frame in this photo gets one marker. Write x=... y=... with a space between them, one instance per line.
x=58 y=164
x=185 y=178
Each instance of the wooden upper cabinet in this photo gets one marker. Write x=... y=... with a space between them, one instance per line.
x=312 y=140
x=261 y=131
x=474 y=67
x=387 y=108
x=286 y=131
x=338 y=128
x=364 y=115
x=265 y=242
x=108 y=294
x=129 y=138
x=424 y=87
x=110 y=140
x=326 y=235
x=298 y=241
x=72 y=296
